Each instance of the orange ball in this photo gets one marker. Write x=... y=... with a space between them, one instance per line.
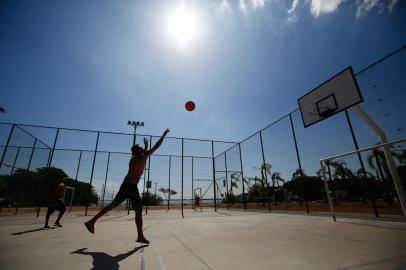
x=190 y=106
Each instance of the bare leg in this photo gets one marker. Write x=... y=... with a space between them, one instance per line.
x=59 y=218
x=90 y=224
x=48 y=214
x=138 y=221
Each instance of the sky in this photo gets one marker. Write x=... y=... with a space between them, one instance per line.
x=96 y=64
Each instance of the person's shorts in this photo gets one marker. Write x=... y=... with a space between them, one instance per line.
x=58 y=205
x=129 y=191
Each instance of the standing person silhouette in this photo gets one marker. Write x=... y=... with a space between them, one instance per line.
x=55 y=202
x=129 y=189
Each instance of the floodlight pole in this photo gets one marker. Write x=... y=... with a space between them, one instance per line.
x=388 y=154
x=135 y=124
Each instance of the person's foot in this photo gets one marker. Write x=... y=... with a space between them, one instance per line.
x=89 y=226
x=47 y=227
x=142 y=239
x=58 y=224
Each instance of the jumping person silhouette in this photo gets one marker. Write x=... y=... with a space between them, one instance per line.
x=129 y=189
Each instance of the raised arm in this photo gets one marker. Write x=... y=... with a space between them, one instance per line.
x=158 y=143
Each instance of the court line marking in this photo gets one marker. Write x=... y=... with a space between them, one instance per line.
x=158 y=253
x=188 y=248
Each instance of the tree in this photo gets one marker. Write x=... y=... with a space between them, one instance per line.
x=276 y=178
x=167 y=193
x=30 y=188
x=298 y=174
x=341 y=170
x=377 y=161
x=235 y=179
x=151 y=199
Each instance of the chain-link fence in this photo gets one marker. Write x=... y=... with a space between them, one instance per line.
x=275 y=169
x=278 y=168
x=95 y=164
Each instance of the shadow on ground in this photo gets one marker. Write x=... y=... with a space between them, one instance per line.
x=103 y=261
x=34 y=230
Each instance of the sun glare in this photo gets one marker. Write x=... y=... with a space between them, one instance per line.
x=182 y=25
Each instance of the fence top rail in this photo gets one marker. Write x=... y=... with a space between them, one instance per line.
x=117 y=133
x=105 y=152
x=362 y=150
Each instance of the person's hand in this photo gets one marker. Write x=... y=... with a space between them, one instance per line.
x=145 y=142
x=166 y=131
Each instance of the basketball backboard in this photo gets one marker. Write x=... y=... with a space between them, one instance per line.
x=331 y=97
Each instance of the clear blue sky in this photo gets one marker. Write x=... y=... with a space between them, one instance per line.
x=96 y=64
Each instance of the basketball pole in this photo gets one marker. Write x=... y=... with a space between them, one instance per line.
x=388 y=154
x=354 y=139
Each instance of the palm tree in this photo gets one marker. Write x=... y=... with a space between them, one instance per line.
x=341 y=170
x=360 y=173
x=298 y=174
x=377 y=161
x=276 y=177
x=234 y=180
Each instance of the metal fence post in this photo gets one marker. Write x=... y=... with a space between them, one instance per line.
x=15 y=160
x=7 y=143
x=298 y=161
x=214 y=176
x=265 y=175
x=228 y=191
x=91 y=175
x=193 y=191
x=31 y=155
x=149 y=170
x=182 y=177
x=51 y=156
x=242 y=179
x=169 y=184
x=105 y=178
x=76 y=178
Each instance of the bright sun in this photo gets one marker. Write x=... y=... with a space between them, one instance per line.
x=182 y=25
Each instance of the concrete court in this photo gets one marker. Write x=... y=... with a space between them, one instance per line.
x=208 y=240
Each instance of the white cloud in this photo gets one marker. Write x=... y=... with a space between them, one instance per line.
x=242 y=6
x=392 y=5
x=318 y=7
x=257 y=3
x=292 y=17
x=366 y=5
x=224 y=5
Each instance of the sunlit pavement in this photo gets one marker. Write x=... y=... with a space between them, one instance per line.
x=203 y=240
